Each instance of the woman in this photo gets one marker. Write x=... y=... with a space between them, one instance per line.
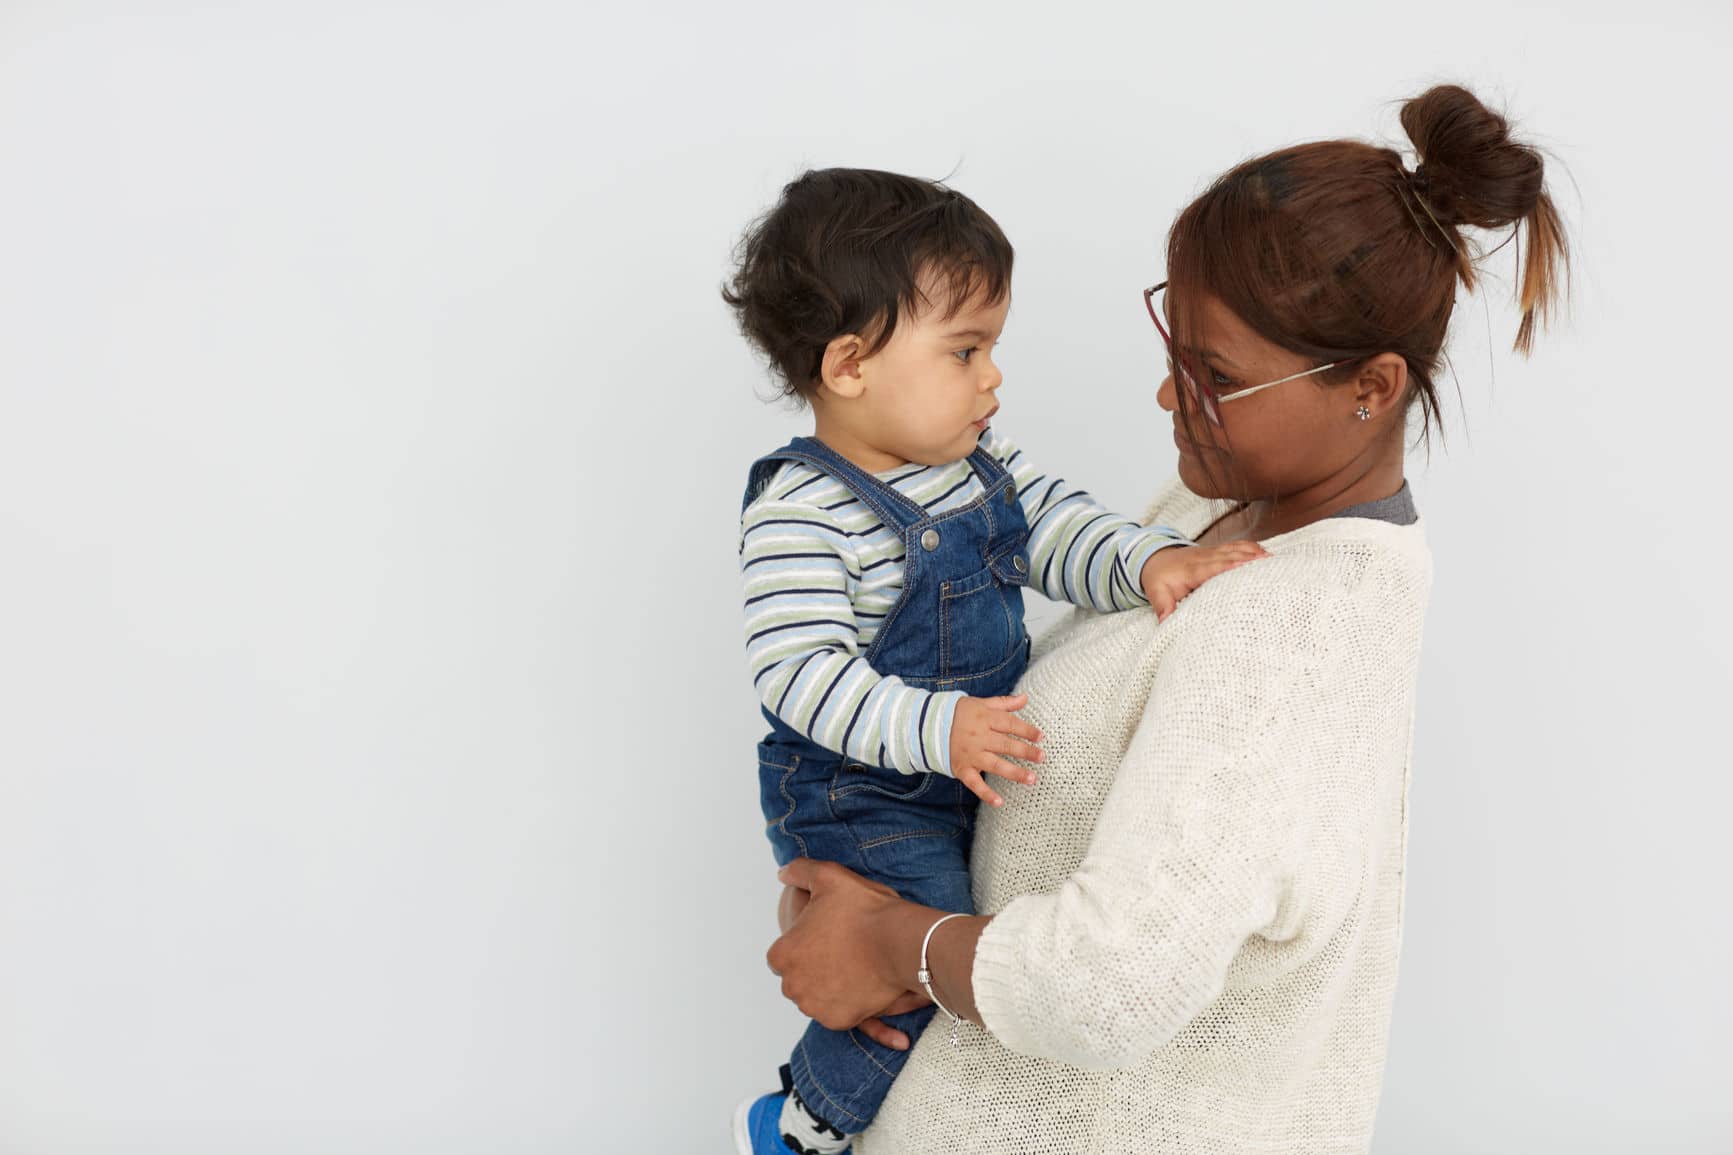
x=1190 y=927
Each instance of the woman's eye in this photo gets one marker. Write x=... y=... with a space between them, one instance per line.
x=963 y=355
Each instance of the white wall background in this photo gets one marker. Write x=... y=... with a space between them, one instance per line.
x=375 y=747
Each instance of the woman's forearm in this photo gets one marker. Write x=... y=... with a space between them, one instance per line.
x=950 y=954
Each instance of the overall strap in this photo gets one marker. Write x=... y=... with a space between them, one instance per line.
x=892 y=508
x=987 y=467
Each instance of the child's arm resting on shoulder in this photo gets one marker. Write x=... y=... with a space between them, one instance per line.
x=1080 y=552
x=803 y=647
x=1170 y=575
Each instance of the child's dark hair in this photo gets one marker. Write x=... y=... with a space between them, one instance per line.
x=846 y=250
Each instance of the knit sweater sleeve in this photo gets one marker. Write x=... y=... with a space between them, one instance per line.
x=1223 y=796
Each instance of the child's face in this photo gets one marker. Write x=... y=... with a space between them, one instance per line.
x=929 y=392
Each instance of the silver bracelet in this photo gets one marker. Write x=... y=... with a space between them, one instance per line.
x=925 y=978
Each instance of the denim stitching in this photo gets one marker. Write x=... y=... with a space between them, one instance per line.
x=946 y=683
x=868 y=787
x=905 y=836
x=854 y=1037
x=782 y=823
x=834 y=1108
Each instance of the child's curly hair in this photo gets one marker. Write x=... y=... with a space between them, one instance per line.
x=845 y=250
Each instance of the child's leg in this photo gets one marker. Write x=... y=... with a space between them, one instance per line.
x=912 y=834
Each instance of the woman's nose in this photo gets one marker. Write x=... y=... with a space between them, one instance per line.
x=1164 y=396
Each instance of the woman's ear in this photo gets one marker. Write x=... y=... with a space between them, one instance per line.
x=839 y=370
x=1382 y=384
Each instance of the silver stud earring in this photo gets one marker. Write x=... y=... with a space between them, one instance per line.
x=1363 y=413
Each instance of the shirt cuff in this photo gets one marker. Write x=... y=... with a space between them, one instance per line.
x=1137 y=551
x=944 y=703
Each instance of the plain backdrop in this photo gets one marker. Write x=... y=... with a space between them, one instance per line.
x=375 y=739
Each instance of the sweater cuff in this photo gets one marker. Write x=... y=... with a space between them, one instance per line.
x=999 y=977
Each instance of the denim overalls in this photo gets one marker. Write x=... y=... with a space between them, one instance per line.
x=957 y=626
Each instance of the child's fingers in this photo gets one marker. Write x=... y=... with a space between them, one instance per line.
x=1014 y=747
x=1011 y=724
x=1011 y=748
x=1009 y=703
x=1009 y=771
x=979 y=788
x=1205 y=568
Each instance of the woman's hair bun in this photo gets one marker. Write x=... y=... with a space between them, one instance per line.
x=1471 y=172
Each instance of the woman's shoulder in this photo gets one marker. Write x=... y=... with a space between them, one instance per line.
x=1328 y=556
x=1326 y=589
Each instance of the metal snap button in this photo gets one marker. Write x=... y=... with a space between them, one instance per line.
x=1010 y=495
x=1022 y=566
x=930 y=540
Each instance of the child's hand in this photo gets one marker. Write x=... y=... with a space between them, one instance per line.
x=1174 y=572
x=983 y=730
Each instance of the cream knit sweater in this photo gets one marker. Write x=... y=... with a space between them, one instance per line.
x=1199 y=908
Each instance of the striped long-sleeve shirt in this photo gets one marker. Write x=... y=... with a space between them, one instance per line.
x=821 y=571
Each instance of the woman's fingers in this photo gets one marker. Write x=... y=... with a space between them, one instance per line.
x=789 y=906
x=883 y=1035
x=802 y=872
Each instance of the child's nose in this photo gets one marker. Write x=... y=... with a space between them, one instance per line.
x=993 y=378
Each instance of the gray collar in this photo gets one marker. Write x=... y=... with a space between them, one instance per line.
x=1398 y=508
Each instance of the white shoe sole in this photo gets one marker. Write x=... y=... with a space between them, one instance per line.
x=742 y=1135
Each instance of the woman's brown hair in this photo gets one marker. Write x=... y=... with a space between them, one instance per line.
x=1335 y=251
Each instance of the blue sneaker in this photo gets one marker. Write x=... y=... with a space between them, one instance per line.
x=757 y=1126
x=758 y=1123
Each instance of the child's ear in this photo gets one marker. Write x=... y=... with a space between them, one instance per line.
x=839 y=371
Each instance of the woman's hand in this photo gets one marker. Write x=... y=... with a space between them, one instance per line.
x=834 y=956
x=789 y=906
x=788 y=909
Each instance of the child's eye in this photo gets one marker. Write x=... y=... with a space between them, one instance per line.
x=963 y=355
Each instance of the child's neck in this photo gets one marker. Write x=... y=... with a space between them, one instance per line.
x=854 y=449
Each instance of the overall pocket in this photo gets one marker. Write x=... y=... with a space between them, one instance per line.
x=980 y=625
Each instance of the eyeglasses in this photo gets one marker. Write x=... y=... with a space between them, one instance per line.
x=1206 y=396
